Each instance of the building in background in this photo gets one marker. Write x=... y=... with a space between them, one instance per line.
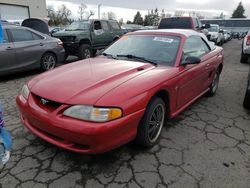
x=18 y=10
x=232 y=24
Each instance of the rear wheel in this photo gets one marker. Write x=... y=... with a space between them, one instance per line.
x=152 y=122
x=85 y=51
x=214 y=85
x=243 y=58
x=48 y=61
x=246 y=102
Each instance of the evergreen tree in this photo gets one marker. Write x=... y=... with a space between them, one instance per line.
x=239 y=11
x=138 y=19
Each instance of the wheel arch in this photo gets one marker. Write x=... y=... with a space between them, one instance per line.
x=85 y=41
x=51 y=52
x=220 y=67
x=164 y=95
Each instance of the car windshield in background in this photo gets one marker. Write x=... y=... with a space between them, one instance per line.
x=213 y=29
x=158 y=49
x=173 y=23
x=78 y=26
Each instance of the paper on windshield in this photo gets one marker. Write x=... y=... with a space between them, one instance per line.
x=163 y=39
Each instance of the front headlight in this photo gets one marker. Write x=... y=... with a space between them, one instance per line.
x=25 y=91
x=91 y=113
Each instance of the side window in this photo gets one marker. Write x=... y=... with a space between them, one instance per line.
x=36 y=36
x=195 y=46
x=114 y=25
x=97 y=25
x=105 y=26
x=20 y=35
x=5 y=37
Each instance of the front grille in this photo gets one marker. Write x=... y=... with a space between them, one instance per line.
x=67 y=38
x=45 y=103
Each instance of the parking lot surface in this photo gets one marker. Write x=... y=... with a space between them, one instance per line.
x=208 y=145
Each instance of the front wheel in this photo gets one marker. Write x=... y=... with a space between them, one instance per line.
x=48 y=61
x=243 y=58
x=152 y=122
x=85 y=51
x=214 y=85
x=246 y=102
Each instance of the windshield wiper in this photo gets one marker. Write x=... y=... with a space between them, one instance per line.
x=129 y=56
x=108 y=55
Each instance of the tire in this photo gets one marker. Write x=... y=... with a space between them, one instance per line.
x=94 y=52
x=214 y=85
x=150 y=127
x=85 y=51
x=48 y=61
x=66 y=57
x=243 y=58
x=246 y=102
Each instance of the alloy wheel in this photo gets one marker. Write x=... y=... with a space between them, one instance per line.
x=156 y=122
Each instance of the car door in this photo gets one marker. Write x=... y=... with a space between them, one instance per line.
x=29 y=47
x=108 y=33
x=98 y=34
x=7 y=54
x=194 y=79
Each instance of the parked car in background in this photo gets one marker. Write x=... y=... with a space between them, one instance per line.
x=127 y=93
x=180 y=23
x=227 y=36
x=131 y=28
x=215 y=34
x=246 y=102
x=24 y=49
x=236 y=35
x=245 y=52
x=84 y=38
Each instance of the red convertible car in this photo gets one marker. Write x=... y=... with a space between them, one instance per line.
x=127 y=93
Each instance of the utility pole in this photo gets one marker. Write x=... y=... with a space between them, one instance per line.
x=99 y=10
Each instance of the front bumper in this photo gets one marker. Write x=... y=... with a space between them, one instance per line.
x=71 y=48
x=76 y=135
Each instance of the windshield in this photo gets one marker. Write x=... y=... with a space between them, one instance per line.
x=158 y=49
x=78 y=26
x=213 y=29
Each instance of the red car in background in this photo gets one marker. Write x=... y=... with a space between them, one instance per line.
x=127 y=93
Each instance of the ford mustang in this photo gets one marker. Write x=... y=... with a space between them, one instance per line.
x=127 y=93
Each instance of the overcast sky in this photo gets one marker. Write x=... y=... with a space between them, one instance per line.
x=127 y=8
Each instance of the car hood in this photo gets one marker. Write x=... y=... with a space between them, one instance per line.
x=213 y=33
x=84 y=82
x=68 y=33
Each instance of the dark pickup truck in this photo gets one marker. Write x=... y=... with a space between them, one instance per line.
x=84 y=38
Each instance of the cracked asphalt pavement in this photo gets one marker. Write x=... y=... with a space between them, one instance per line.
x=208 y=145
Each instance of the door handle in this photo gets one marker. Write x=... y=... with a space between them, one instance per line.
x=9 y=48
x=41 y=44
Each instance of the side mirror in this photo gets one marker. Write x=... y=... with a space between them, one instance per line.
x=190 y=60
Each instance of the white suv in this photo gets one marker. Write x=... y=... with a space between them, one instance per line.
x=215 y=34
x=245 y=53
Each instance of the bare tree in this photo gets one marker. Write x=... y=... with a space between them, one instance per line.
x=91 y=13
x=59 y=17
x=81 y=10
x=111 y=15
